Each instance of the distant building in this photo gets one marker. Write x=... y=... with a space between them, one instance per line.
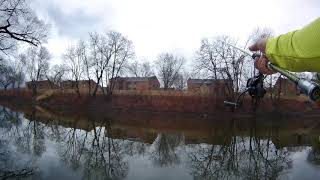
x=135 y=83
x=68 y=84
x=83 y=84
x=217 y=86
x=44 y=84
x=286 y=87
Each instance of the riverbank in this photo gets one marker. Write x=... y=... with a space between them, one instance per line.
x=156 y=102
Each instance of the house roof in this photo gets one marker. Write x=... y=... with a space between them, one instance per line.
x=135 y=79
x=80 y=81
x=40 y=81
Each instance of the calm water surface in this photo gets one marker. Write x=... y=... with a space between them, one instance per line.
x=40 y=145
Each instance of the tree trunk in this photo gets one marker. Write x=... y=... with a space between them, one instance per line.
x=89 y=86
x=97 y=85
x=34 y=91
x=77 y=88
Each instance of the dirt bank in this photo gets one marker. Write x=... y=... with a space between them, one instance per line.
x=159 y=103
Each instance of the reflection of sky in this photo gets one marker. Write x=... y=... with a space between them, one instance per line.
x=52 y=167
x=302 y=169
x=141 y=168
x=48 y=166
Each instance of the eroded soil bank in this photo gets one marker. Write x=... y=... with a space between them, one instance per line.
x=205 y=105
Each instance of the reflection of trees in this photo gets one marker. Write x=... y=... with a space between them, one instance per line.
x=97 y=154
x=11 y=167
x=164 y=152
x=17 y=174
x=314 y=153
x=38 y=138
x=241 y=158
x=132 y=148
x=74 y=144
x=9 y=119
x=31 y=138
x=100 y=154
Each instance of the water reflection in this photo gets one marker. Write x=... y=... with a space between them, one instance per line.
x=39 y=144
x=164 y=150
x=314 y=155
x=240 y=158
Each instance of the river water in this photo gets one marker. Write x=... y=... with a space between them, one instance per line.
x=38 y=144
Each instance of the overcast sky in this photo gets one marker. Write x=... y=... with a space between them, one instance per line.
x=176 y=26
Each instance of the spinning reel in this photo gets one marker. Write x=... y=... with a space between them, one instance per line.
x=256 y=90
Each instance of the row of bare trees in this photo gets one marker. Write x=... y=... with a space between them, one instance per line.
x=104 y=56
x=107 y=56
x=218 y=59
x=32 y=64
x=10 y=75
x=101 y=58
x=20 y=24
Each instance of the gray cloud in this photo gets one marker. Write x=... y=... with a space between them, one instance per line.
x=74 y=24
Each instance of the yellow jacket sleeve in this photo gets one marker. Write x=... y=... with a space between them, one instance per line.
x=298 y=50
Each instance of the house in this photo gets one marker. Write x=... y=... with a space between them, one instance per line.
x=83 y=84
x=286 y=87
x=217 y=86
x=135 y=83
x=68 y=84
x=43 y=84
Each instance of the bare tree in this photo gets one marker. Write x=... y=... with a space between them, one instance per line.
x=219 y=60
x=122 y=50
x=74 y=65
x=19 y=73
x=169 y=67
x=82 y=52
x=207 y=59
x=181 y=81
x=6 y=76
x=11 y=73
x=18 y=22
x=138 y=69
x=36 y=62
x=101 y=53
x=259 y=33
x=134 y=69
x=105 y=55
x=56 y=74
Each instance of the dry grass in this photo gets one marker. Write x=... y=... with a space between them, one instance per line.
x=84 y=92
x=176 y=93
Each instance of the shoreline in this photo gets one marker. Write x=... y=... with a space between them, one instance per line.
x=203 y=105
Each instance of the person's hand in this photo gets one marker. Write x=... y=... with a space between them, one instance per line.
x=261 y=63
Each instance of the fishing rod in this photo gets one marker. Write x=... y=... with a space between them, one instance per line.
x=255 y=84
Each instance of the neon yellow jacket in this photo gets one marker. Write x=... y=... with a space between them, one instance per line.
x=298 y=50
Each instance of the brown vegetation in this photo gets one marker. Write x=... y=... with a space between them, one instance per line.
x=158 y=101
x=135 y=83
